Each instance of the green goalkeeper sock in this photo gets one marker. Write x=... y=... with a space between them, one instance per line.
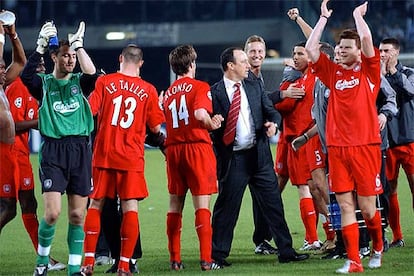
x=75 y=244
x=46 y=234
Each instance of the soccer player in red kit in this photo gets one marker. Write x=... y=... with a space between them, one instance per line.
x=352 y=130
x=124 y=104
x=297 y=118
x=24 y=111
x=191 y=163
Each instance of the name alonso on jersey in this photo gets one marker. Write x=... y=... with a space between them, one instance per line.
x=182 y=87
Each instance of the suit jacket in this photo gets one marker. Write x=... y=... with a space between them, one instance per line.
x=261 y=109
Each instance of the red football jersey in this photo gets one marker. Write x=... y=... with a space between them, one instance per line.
x=297 y=113
x=352 y=118
x=23 y=107
x=181 y=99
x=124 y=106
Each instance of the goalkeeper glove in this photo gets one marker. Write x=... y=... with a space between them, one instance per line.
x=46 y=32
x=76 y=40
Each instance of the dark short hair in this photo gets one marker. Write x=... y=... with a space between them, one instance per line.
x=351 y=34
x=300 y=44
x=132 y=53
x=391 y=40
x=181 y=58
x=228 y=56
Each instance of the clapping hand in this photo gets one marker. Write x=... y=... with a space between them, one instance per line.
x=76 y=40
x=46 y=32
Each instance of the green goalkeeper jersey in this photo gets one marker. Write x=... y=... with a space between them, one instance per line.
x=64 y=110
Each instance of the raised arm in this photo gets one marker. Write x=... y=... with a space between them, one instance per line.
x=293 y=14
x=312 y=44
x=76 y=43
x=367 y=46
x=18 y=55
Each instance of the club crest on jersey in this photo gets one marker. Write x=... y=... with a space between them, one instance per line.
x=378 y=185
x=74 y=90
x=30 y=113
x=27 y=181
x=6 y=188
x=47 y=184
x=18 y=102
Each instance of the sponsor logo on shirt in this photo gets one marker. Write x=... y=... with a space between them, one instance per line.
x=346 y=84
x=65 y=107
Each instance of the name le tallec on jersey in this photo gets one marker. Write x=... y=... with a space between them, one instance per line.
x=114 y=87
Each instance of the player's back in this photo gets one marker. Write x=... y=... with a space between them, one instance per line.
x=182 y=98
x=124 y=106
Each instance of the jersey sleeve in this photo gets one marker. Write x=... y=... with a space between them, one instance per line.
x=95 y=98
x=31 y=108
x=323 y=69
x=203 y=98
x=286 y=105
x=372 y=69
x=155 y=114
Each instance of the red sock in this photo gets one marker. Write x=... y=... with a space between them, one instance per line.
x=129 y=237
x=308 y=214
x=204 y=232
x=329 y=232
x=32 y=226
x=375 y=231
x=350 y=234
x=92 y=227
x=394 y=217
x=174 y=224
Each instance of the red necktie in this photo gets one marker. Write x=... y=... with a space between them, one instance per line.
x=230 y=130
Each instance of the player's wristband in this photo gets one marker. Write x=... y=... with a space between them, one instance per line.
x=2 y=39
x=324 y=16
x=306 y=136
x=15 y=36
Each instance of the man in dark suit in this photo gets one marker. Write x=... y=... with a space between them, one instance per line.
x=245 y=158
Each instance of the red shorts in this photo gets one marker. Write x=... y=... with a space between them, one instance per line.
x=125 y=184
x=25 y=172
x=355 y=168
x=315 y=155
x=400 y=156
x=8 y=171
x=191 y=166
x=281 y=167
x=299 y=171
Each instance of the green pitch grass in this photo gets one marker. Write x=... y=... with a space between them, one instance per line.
x=17 y=256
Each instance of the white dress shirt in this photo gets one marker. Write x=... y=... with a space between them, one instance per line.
x=245 y=134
